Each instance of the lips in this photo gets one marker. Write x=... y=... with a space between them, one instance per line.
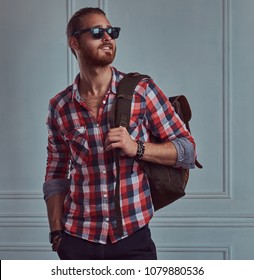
x=106 y=47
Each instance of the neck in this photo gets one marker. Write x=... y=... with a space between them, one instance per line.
x=94 y=80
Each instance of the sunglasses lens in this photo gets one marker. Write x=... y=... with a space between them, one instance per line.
x=98 y=33
x=113 y=32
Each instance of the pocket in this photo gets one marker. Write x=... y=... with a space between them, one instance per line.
x=78 y=144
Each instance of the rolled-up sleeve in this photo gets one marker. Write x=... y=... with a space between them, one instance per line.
x=185 y=152
x=55 y=186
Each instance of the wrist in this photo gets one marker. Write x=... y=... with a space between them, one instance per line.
x=140 y=150
x=56 y=234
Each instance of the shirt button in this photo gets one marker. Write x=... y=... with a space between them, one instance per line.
x=104 y=101
x=104 y=171
x=107 y=219
x=105 y=195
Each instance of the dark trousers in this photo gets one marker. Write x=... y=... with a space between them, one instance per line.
x=138 y=246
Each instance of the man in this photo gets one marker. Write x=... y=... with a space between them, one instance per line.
x=81 y=173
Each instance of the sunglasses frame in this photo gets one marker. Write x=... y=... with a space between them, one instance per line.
x=100 y=33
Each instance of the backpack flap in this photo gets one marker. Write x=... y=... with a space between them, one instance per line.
x=182 y=107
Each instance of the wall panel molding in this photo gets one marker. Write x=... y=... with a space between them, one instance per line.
x=25 y=247
x=161 y=221
x=203 y=221
x=102 y=4
x=71 y=60
x=225 y=249
x=21 y=195
x=70 y=8
x=23 y=220
x=227 y=186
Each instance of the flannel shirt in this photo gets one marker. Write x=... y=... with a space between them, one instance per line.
x=78 y=163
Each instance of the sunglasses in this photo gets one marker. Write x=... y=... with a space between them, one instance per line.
x=98 y=32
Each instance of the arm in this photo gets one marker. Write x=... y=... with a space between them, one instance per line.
x=163 y=153
x=56 y=179
x=176 y=147
x=55 y=211
x=54 y=195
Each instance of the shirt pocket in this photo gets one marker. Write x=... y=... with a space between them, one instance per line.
x=78 y=144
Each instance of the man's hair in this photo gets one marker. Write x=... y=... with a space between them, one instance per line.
x=75 y=22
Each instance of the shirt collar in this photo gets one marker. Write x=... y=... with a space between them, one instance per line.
x=115 y=79
x=75 y=92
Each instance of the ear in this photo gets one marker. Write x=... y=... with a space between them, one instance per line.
x=73 y=43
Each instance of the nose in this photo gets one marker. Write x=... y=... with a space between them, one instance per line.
x=106 y=37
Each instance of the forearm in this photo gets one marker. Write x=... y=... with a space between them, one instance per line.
x=54 y=194
x=178 y=153
x=163 y=153
x=55 y=211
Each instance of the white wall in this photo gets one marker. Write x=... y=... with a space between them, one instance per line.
x=200 y=48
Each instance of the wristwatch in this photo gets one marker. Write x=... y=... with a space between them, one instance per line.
x=55 y=233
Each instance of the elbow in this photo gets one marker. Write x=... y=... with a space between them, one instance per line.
x=55 y=186
x=186 y=154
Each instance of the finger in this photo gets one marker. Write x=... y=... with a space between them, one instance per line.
x=112 y=138
x=119 y=129
x=115 y=135
x=113 y=146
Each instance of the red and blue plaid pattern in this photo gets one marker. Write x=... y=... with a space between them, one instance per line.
x=76 y=149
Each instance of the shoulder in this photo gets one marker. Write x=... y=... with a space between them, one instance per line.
x=62 y=98
x=145 y=84
x=147 y=87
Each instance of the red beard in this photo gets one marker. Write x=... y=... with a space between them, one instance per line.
x=95 y=57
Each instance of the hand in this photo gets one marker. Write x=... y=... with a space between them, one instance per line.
x=56 y=242
x=120 y=138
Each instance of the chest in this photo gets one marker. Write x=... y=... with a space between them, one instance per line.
x=93 y=104
x=93 y=114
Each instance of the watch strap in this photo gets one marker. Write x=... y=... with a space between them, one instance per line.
x=55 y=233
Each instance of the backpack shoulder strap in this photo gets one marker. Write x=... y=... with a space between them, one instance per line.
x=120 y=113
x=120 y=116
